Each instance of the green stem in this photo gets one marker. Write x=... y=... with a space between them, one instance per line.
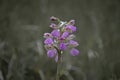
x=58 y=20
x=58 y=67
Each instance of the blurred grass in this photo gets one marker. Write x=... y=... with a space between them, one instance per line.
x=22 y=54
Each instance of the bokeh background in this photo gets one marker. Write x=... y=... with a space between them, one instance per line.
x=22 y=53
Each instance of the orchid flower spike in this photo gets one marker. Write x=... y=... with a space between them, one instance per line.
x=60 y=38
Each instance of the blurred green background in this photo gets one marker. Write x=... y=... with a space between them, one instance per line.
x=22 y=53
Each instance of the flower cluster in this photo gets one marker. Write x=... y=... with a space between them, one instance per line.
x=60 y=38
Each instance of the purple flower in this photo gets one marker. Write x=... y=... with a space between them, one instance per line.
x=74 y=52
x=62 y=46
x=48 y=41
x=73 y=43
x=65 y=34
x=55 y=33
x=70 y=28
x=51 y=53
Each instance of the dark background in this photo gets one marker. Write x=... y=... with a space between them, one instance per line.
x=23 y=23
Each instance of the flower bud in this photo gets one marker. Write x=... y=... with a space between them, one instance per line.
x=52 y=18
x=47 y=35
x=71 y=22
x=54 y=26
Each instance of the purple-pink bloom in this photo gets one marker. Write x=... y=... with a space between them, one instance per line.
x=55 y=33
x=48 y=41
x=51 y=53
x=70 y=28
x=65 y=34
x=74 y=52
x=62 y=46
x=73 y=43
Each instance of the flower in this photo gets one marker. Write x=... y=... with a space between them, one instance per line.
x=60 y=38
x=70 y=28
x=62 y=46
x=74 y=52
x=65 y=34
x=47 y=35
x=51 y=53
x=71 y=22
x=48 y=41
x=73 y=43
x=54 y=26
x=55 y=33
